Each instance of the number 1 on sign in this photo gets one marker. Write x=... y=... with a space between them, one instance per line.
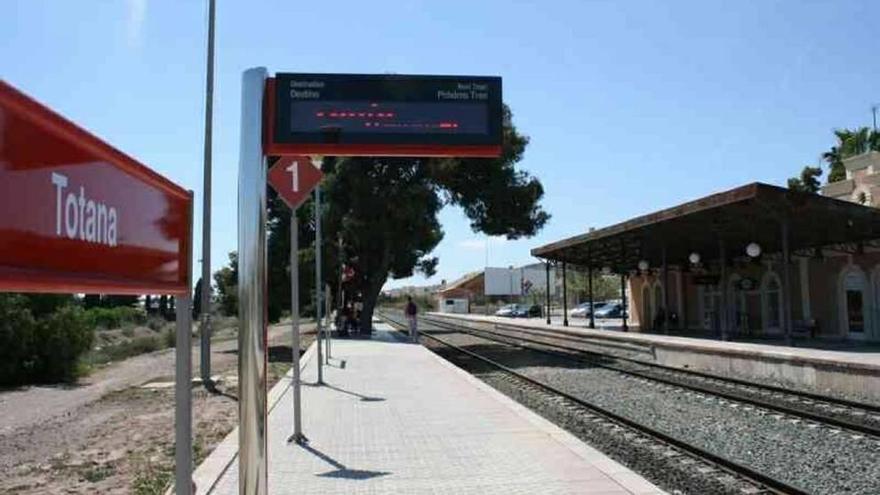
x=294 y=171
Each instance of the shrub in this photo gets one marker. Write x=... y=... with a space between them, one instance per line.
x=62 y=338
x=115 y=317
x=156 y=324
x=46 y=350
x=126 y=349
x=16 y=339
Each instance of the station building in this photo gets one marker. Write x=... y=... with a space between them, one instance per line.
x=752 y=262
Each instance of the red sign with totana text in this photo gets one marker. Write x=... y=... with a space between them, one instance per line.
x=77 y=215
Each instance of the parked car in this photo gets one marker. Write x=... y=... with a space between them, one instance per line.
x=536 y=311
x=513 y=311
x=611 y=310
x=582 y=310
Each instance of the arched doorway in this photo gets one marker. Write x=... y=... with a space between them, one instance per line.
x=855 y=305
x=736 y=300
x=771 y=303
x=709 y=302
x=647 y=307
x=658 y=302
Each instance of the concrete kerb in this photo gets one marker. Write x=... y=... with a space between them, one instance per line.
x=614 y=470
x=209 y=472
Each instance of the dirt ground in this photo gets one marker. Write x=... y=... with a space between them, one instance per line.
x=108 y=434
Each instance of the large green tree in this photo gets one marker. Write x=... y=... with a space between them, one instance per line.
x=385 y=209
x=383 y=212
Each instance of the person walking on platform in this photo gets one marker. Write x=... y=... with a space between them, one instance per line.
x=411 y=311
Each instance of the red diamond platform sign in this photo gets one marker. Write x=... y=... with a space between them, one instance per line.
x=294 y=177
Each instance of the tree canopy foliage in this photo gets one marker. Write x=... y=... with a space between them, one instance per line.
x=808 y=180
x=384 y=210
x=850 y=142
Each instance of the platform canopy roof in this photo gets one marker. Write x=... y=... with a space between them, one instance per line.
x=751 y=213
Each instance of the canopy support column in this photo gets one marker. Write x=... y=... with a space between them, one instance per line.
x=683 y=317
x=564 y=297
x=665 y=321
x=623 y=300
x=786 y=283
x=590 y=285
x=547 y=266
x=722 y=287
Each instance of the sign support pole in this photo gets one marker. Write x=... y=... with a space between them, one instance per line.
x=296 y=382
x=327 y=311
x=253 y=466
x=183 y=397
x=317 y=161
x=183 y=383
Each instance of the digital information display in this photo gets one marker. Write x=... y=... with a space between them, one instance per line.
x=393 y=115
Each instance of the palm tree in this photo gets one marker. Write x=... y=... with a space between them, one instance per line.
x=849 y=143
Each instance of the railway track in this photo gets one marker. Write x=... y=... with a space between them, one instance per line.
x=822 y=411
x=677 y=463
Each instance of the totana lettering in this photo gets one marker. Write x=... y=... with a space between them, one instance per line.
x=80 y=217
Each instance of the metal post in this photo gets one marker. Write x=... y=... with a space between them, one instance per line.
x=296 y=381
x=205 y=331
x=547 y=266
x=623 y=300
x=340 y=303
x=183 y=387
x=665 y=292
x=183 y=398
x=252 y=466
x=786 y=283
x=317 y=161
x=564 y=297
x=327 y=312
x=590 y=285
x=683 y=318
x=723 y=313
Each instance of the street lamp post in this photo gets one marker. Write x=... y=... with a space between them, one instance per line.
x=205 y=339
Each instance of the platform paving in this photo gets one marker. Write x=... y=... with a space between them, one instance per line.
x=395 y=418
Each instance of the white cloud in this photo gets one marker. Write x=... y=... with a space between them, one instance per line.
x=137 y=12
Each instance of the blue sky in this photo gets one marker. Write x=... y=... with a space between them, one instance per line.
x=630 y=106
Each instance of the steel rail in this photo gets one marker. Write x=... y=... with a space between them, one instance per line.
x=722 y=463
x=770 y=388
x=791 y=411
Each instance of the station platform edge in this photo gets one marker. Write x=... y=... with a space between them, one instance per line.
x=394 y=417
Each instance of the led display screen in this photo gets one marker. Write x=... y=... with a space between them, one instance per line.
x=350 y=110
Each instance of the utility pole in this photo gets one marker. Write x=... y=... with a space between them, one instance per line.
x=205 y=362
x=874 y=113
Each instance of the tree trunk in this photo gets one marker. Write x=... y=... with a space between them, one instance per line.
x=370 y=295
x=366 y=322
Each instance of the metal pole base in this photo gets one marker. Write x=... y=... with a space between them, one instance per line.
x=299 y=438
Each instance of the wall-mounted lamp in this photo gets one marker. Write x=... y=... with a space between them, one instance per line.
x=753 y=250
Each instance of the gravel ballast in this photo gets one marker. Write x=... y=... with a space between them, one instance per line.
x=819 y=459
